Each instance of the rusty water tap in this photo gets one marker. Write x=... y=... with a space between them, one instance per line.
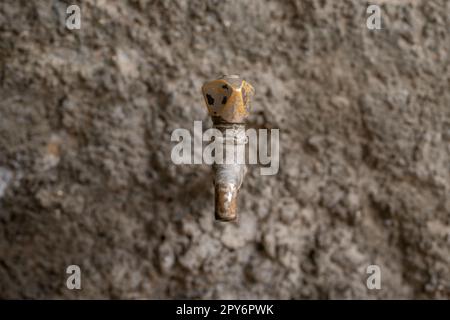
x=228 y=103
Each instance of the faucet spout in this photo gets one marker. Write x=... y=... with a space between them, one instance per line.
x=227 y=181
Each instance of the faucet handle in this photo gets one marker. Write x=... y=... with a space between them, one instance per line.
x=228 y=98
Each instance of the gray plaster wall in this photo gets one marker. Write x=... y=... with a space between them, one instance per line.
x=86 y=176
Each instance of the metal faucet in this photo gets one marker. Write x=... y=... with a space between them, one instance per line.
x=228 y=103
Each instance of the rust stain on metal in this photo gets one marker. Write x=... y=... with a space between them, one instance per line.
x=53 y=149
x=226 y=202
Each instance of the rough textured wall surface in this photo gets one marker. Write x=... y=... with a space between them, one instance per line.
x=86 y=176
